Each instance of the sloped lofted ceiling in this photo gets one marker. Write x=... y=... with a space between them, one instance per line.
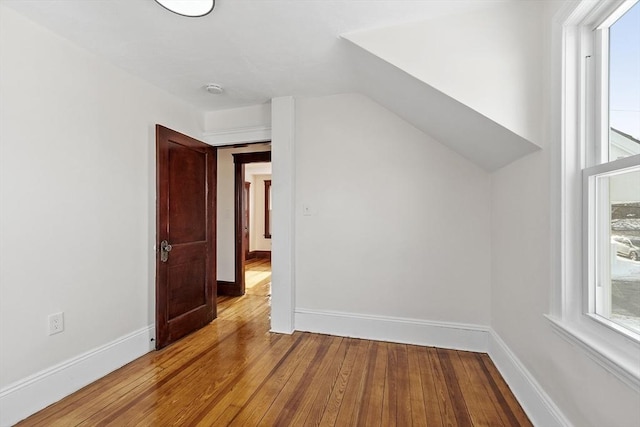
x=260 y=49
x=485 y=142
x=473 y=81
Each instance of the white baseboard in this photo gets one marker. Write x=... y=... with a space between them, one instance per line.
x=537 y=404
x=31 y=394
x=458 y=336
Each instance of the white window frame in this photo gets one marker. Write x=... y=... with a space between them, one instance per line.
x=574 y=152
x=596 y=224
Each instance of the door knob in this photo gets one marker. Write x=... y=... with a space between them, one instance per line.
x=165 y=248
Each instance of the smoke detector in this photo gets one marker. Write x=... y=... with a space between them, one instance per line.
x=214 y=89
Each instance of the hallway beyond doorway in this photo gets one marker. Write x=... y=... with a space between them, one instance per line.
x=257 y=274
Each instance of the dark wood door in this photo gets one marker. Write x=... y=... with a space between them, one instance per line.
x=186 y=239
x=246 y=222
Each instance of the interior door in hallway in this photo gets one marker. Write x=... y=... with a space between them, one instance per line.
x=186 y=239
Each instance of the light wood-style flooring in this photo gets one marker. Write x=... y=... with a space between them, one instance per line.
x=234 y=372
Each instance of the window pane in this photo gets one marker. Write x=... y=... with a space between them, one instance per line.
x=624 y=85
x=618 y=288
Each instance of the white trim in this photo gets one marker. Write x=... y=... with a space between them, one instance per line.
x=627 y=370
x=31 y=394
x=620 y=165
x=596 y=217
x=537 y=404
x=458 y=336
x=616 y=13
x=283 y=221
x=238 y=135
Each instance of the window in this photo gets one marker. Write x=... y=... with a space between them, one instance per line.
x=613 y=265
x=596 y=164
x=267 y=208
x=611 y=173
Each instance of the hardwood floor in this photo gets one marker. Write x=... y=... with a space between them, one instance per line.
x=234 y=372
x=257 y=272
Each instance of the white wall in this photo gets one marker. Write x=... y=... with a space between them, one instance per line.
x=78 y=197
x=488 y=60
x=522 y=274
x=238 y=118
x=521 y=238
x=225 y=209
x=256 y=173
x=411 y=240
x=238 y=125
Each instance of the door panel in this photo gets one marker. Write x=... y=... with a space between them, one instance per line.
x=186 y=280
x=187 y=209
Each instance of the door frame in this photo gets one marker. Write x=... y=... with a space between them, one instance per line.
x=281 y=132
x=237 y=288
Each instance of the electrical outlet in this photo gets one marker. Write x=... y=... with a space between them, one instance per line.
x=56 y=323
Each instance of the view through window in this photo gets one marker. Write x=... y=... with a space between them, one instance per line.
x=617 y=190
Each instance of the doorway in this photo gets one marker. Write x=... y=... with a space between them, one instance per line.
x=257 y=241
x=249 y=172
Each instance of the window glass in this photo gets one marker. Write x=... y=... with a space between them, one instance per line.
x=617 y=289
x=267 y=209
x=624 y=85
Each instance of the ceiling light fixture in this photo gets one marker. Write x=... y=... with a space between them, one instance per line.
x=191 y=8
x=214 y=89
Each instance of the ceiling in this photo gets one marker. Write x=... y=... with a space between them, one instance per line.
x=255 y=49
x=257 y=169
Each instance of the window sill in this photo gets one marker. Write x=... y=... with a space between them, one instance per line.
x=624 y=365
x=626 y=332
